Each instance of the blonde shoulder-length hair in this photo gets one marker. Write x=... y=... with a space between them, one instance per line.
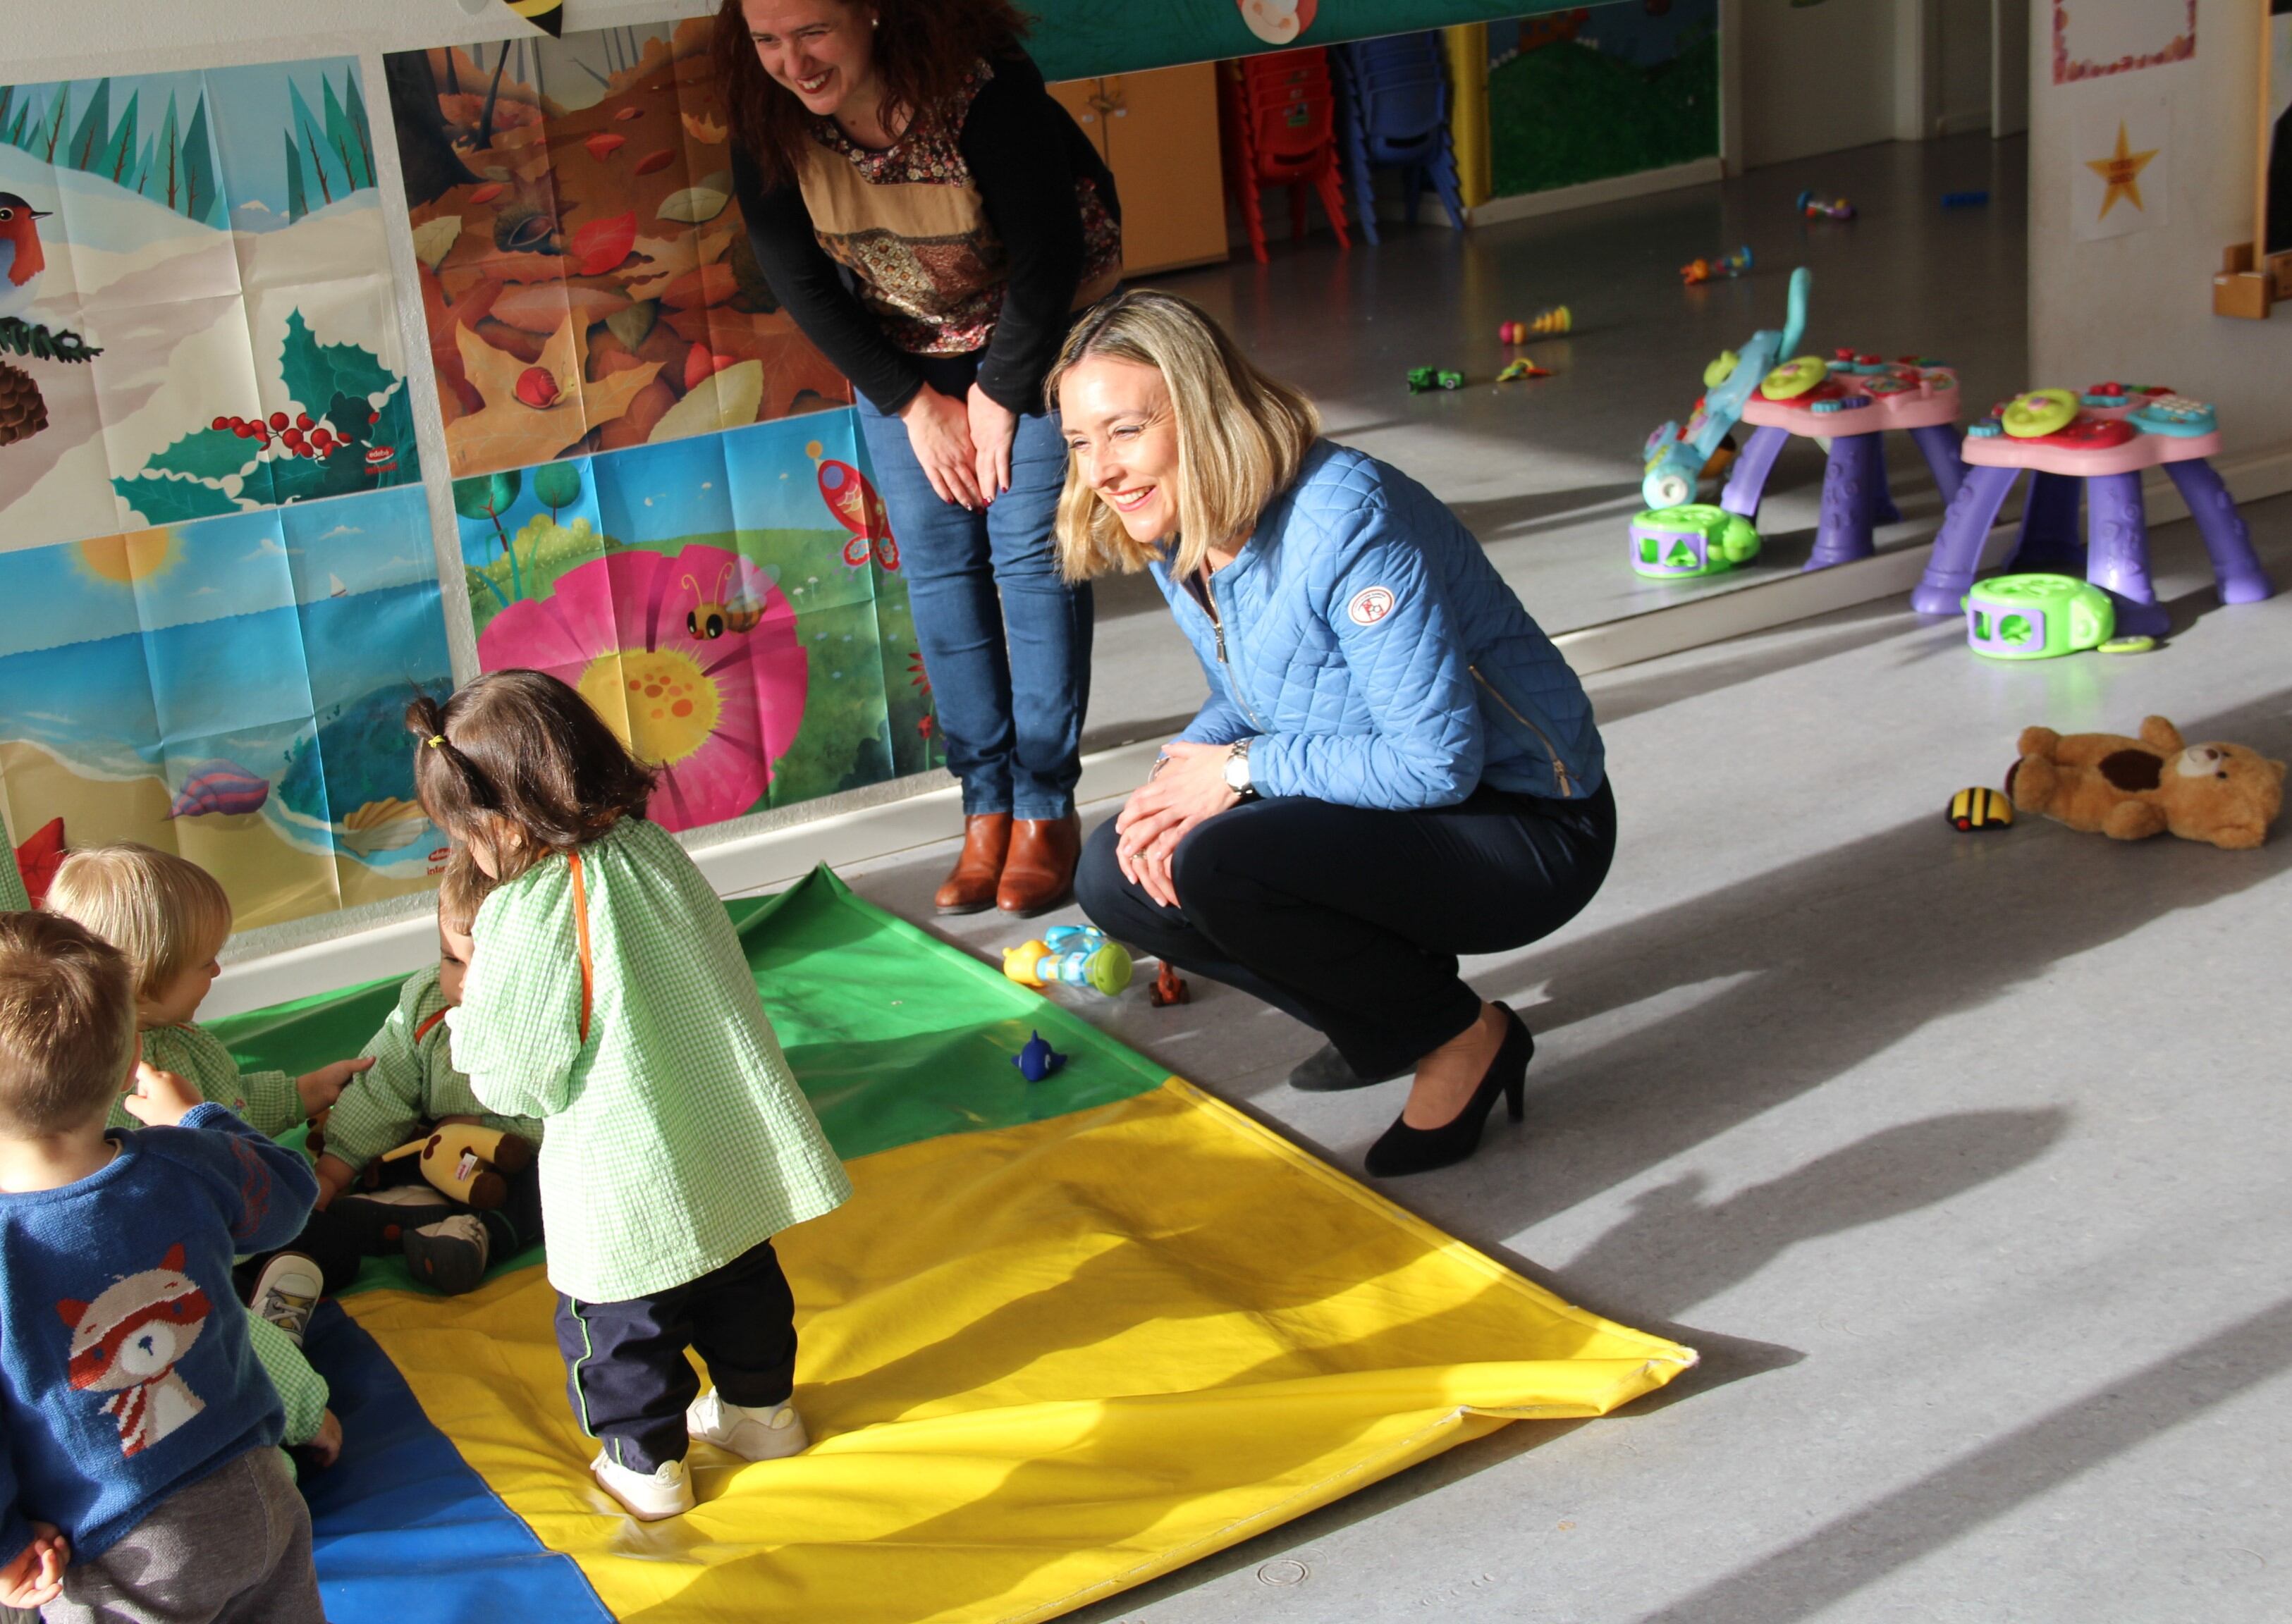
x=1242 y=436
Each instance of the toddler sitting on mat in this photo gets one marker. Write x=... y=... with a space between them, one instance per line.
x=412 y=1090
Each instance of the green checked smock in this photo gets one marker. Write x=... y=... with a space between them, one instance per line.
x=677 y=1138
x=411 y=1084
x=265 y=1101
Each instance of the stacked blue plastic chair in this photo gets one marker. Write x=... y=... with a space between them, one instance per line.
x=1396 y=113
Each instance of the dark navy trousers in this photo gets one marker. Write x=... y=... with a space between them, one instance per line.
x=1350 y=918
x=626 y=1364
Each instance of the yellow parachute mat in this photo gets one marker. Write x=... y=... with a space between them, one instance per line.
x=1042 y=1364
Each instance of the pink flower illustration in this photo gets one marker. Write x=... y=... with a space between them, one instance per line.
x=693 y=660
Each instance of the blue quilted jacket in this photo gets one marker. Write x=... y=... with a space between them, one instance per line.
x=1369 y=649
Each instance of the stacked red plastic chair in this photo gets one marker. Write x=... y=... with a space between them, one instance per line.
x=1396 y=112
x=1281 y=130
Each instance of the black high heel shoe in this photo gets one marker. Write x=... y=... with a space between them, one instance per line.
x=1403 y=1149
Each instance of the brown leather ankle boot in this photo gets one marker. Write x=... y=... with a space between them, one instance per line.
x=970 y=886
x=1040 y=872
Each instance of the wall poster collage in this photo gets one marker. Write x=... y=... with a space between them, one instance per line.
x=219 y=583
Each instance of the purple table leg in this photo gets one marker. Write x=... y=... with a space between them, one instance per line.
x=1938 y=444
x=1747 y=480
x=1958 y=548
x=2049 y=541
x=2235 y=566
x=1884 y=511
x=2117 y=553
x=1849 y=495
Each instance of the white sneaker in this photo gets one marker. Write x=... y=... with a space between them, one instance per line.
x=288 y=1288
x=665 y=1492
x=753 y=1435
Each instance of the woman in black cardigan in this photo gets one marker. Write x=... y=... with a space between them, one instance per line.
x=933 y=219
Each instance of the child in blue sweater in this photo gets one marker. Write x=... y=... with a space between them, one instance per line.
x=139 y=1478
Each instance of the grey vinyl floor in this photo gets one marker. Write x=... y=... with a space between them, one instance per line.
x=1964 y=1160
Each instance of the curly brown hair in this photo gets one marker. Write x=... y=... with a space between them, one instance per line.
x=923 y=51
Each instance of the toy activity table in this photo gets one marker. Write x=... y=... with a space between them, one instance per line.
x=1850 y=400
x=2095 y=444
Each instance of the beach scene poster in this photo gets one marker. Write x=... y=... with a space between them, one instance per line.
x=732 y=604
x=586 y=277
x=196 y=310
x=232 y=689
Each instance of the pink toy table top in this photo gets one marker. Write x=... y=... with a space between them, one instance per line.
x=2117 y=431
x=1861 y=394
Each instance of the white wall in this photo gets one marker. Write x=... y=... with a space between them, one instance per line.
x=2139 y=307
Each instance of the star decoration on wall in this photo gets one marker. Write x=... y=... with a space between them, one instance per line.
x=2122 y=169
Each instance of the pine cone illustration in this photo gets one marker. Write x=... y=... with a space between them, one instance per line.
x=23 y=412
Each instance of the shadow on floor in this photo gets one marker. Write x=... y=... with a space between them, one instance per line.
x=1875 y=1539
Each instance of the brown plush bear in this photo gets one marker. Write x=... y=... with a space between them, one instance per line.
x=2130 y=789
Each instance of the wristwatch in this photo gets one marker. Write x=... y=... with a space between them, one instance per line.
x=1237 y=770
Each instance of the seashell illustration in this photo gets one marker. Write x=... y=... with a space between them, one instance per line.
x=220 y=786
x=434 y=239
x=381 y=826
x=695 y=206
x=538 y=388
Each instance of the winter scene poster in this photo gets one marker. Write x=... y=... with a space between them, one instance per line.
x=196 y=312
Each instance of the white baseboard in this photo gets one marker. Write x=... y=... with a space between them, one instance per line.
x=770 y=858
x=1527 y=205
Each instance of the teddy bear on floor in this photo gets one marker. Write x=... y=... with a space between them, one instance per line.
x=2130 y=789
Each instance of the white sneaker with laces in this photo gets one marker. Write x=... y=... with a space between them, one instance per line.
x=665 y=1492
x=288 y=1288
x=753 y=1435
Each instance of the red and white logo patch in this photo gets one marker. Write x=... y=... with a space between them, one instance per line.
x=1369 y=606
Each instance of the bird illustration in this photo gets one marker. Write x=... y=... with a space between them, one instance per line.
x=21 y=262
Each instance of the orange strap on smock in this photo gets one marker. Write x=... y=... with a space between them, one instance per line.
x=581 y=942
x=423 y=1030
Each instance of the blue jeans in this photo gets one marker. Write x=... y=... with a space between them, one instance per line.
x=1005 y=640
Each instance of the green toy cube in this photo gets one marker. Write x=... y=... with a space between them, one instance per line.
x=2037 y=617
x=1692 y=539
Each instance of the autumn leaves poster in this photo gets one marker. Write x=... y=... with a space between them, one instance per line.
x=218 y=575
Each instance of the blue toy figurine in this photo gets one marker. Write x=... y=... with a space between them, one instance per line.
x=1038 y=1060
x=1676 y=456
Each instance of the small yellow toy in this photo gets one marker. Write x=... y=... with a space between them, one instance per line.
x=1980 y=808
x=469 y=1162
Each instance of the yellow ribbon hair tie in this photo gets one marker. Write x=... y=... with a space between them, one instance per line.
x=437 y=739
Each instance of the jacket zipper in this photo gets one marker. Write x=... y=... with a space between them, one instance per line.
x=1559 y=767
x=1217 y=628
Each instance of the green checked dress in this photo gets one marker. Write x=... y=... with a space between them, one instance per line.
x=265 y=1101
x=678 y=1139
x=411 y=1084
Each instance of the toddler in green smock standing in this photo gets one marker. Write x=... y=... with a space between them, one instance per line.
x=608 y=995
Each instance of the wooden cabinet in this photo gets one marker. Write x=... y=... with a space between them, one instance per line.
x=1158 y=134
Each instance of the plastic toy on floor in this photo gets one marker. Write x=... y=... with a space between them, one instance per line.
x=1692 y=539
x=1543 y=324
x=1980 y=808
x=1698 y=272
x=2037 y=617
x=469 y=1162
x=1079 y=955
x=1170 y=988
x=2130 y=789
x=1517 y=369
x=1823 y=208
x=1038 y=1060
x=1423 y=378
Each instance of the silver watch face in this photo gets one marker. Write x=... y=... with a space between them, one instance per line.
x=1237 y=772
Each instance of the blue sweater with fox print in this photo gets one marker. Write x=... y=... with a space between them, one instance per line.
x=124 y=1369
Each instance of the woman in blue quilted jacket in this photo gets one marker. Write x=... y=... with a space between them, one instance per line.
x=1394 y=766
